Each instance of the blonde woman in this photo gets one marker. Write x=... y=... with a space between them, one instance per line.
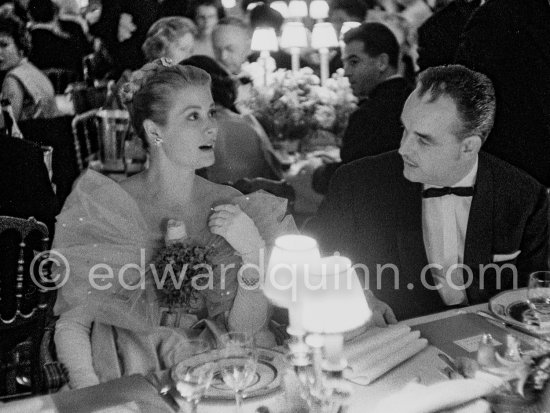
x=170 y=37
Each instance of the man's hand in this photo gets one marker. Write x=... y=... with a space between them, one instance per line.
x=382 y=314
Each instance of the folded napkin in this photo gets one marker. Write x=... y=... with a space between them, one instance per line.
x=379 y=350
x=459 y=395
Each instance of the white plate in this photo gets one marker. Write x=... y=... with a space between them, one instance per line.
x=268 y=378
x=510 y=306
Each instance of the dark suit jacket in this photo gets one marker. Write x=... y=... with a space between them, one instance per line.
x=509 y=41
x=374 y=128
x=373 y=215
x=439 y=36
x=25 y=188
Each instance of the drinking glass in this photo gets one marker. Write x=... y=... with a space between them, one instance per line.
x=192 y=382
x=238 y=363
x=538 y=294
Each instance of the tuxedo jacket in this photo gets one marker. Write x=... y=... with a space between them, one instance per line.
x=374 y=128
x=373 y=215
x=509 y=41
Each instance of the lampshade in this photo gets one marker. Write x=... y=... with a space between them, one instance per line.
x=333 y=300
x=323 y=36
x=264 y=39
x=281 y=7
x=229 y=4
x=83 y=3
x=291 y=257
x=252 y=5
x=318 y=9
x=297 y=9
x=346 y=26
x=294 y=35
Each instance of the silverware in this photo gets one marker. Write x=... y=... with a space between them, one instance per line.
x=510 y=325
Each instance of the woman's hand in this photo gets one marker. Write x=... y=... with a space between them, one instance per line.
x=238 y=229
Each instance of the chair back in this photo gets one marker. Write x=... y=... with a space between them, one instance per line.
x=278 y=188
x=26 y=297
x=85 y=138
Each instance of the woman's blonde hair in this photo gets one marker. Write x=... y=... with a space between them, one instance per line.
x=165 y=31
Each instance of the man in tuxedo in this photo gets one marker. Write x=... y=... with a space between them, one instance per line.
x=509 y=41
x=437 y=223
x=371 y=56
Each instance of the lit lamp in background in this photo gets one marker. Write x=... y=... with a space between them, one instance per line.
x=264 y=40
x=297 y=9
x=281 y=7
x=229 y=4
x=323 y=37
x=294 y=37
x=318 y=9
x=346 y=26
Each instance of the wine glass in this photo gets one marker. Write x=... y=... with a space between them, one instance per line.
x=238 y=363
x=538 y=294
x=192 y=382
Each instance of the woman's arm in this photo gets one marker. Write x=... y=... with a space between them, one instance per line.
x=74 y=348
x=12 y=90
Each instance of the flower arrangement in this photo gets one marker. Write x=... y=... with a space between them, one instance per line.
x=295 y=104
x=184 y=265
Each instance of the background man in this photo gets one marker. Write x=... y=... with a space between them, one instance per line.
x=438 y=200
x=231 y=42
x=370 y=58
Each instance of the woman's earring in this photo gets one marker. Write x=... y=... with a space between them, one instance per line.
x=158 y=141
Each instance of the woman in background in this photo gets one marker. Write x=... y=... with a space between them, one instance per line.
x=171 y=37
x=242 y=149
x=29 y=90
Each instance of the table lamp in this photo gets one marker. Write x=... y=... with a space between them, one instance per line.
x=294 y=37
x=291 y=258
x=281 y=7
x=264 y=40
x=297 y=9
x=229 y=4
x=333 y=303
x=323 y=37
x=346 y=26
x=318 y=9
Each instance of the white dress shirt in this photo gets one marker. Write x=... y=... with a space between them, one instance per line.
x=444 y=224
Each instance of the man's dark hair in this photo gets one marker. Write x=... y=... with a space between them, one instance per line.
x=472 y=92
x=353 y=8
x=377 y=38
x=264 y=16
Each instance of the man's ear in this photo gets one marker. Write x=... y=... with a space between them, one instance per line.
x=383 y=62
x=471 y=145
x=152 y=131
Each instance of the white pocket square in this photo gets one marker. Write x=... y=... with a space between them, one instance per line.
x=505 y=257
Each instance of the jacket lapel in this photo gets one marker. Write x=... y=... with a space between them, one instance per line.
x=479 y=233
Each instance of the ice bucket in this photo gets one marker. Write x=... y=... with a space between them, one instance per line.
x=112 y=127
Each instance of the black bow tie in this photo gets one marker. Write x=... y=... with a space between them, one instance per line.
x=458 y=190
